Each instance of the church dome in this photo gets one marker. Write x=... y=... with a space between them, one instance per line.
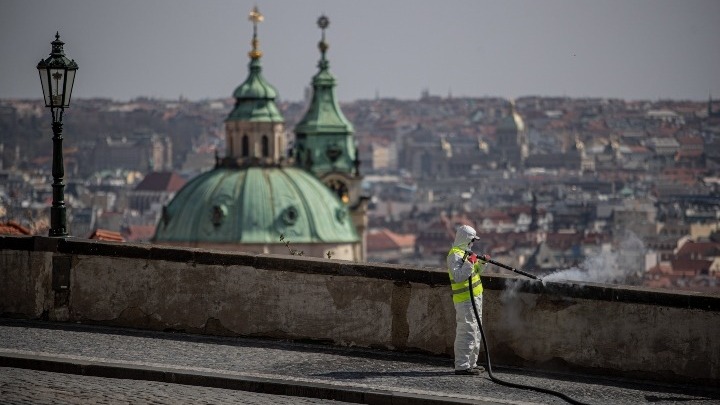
x=255 y=98
x=256 y=205
x=511 y=123
x=255 y=86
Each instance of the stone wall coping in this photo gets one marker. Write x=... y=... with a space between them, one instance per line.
x=397 y=273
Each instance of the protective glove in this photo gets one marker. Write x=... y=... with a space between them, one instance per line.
x=472 y=258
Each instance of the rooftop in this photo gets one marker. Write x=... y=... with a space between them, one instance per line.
x=161 y=181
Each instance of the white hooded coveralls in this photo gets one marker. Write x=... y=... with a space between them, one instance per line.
x=467 y=333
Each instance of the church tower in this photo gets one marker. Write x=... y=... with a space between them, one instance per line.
x=512 y=144
x=254 y=129
x=254 y=199
x=325 y=144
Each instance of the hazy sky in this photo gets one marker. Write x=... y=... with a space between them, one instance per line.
x=633 y=49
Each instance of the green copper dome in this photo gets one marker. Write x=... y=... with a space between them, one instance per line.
x=512 y=122
x=255 y=98
x=255 y=86
x=256 y=205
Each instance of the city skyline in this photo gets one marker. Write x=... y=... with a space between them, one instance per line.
x=198 y=50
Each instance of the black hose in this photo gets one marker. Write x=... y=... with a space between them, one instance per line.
x=489 y=366
x=505 y=266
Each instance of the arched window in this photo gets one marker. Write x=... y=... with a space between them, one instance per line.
x=265 y=146
x=340 y=190
x=245 y=146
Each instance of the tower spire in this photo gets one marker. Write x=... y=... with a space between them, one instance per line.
x=323 y=22
x=256 y=17
x=709 y=106
x=324 y=130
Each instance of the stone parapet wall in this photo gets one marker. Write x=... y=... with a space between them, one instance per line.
x=619 y=331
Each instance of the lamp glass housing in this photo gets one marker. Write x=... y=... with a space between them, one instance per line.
x=57 y=76
x=57 y=85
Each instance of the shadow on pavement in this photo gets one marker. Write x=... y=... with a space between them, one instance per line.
x=359 y=375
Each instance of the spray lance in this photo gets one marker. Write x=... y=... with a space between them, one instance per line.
x=505 y=266
x=486 y=259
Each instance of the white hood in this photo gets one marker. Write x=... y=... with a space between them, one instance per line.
x=465 y=234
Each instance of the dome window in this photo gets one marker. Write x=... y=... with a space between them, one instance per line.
x=340 y=214
x=290 y=215
x=333 y=152
x=218 y=214
x=340 y=189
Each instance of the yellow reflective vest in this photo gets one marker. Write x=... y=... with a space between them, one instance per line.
x=461 y=292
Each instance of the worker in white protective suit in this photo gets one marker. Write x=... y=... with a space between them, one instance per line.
x=464 y=267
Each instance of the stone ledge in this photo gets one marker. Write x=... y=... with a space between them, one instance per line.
x=605 y=292
x=398 y=273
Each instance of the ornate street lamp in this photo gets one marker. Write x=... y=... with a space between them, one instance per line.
x=57 y=74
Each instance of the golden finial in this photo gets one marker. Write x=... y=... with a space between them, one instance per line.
x=256 y=17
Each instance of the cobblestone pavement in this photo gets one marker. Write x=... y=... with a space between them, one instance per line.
x=304 y=363
x=19 y=386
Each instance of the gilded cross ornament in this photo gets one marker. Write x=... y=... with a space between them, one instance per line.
x=256 y=17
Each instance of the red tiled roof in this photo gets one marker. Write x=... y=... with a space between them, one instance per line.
x=690 y=266
x=161 y=181
x=519 y=209
x=662 y=281
x=689 y=140
x=660 y=269
x=111 y=236
x=698 y=250
x=596 y=238
x=495 y=215
x=562 y=241
x=134 y=233
x=13 y=228
x=688 y=154
x=41 y=160
x=639 y=149
x=385 y=239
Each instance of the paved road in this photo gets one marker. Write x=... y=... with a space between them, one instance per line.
x=21 y=386
x=312 y=369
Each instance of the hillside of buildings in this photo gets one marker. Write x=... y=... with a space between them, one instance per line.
x=607 y=190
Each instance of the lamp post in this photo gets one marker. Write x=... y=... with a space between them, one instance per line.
x=57 y=74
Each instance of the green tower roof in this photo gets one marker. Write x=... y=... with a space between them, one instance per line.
x=324 y=141
x=324 y=114
x=255 y=97
x=256 y=205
